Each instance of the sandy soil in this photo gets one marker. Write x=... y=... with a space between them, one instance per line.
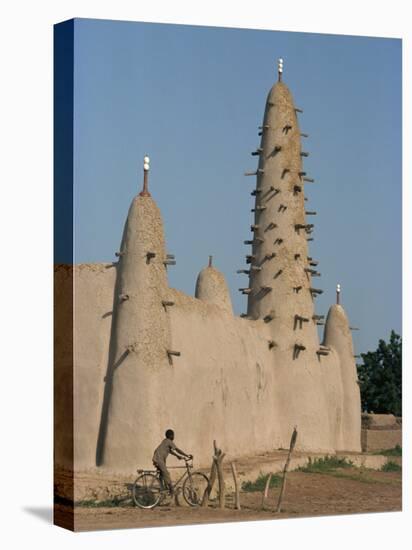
x=306 y=495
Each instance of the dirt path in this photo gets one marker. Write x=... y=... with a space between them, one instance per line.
x=306 y=495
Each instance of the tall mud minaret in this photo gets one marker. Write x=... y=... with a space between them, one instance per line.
x=281 y=290
x=140 y=334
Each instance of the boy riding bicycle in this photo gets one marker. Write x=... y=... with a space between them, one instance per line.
x=161 y=453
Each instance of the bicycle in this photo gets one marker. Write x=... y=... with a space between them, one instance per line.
x=149 y=489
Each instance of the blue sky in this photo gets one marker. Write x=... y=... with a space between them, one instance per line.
x=193 y=98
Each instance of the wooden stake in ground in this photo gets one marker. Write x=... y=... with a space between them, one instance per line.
x=265 y=492
x=285 y=469
x=211 y=482
x=215 y=469
x=237 y=491
x=218 y=458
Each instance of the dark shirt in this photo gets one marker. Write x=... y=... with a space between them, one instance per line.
x=163 y=450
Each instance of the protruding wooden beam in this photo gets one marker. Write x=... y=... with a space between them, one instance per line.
x=123 y=297
x=322 y=351
x=254 y=227
x=304 y=154
x=318 y=317
x=166 y=303
x=250 y=258
x=245 y=271
x=297 y=256
x=119 y=254
x=265 y=289
x=313 y=272
x=272 y=344
x=257 y=152
x=269 y=317
x=257 y=240
x=169 y=262
x=310 y=213
x=297 y=110
x=270 y=226
x=256 y=192
x=258 y=171
x=270 y=256
x=308 y=180
x=278 y=241
x=297 y=348
x=150 y=256
x=308 y=227
x=316 y=291
x=299 y=320
x=297 y=189
x=245 y=290
x=278 y=274
x=297 y=289
x=271 y=188
x=258 y=209
x=282 y=208
x=255 y=268
x=171 y=354
x=354 y=328
x=304 y=135
x=284 y=172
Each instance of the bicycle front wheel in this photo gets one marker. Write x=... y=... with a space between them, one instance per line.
x=147 y=491
x=194 y=488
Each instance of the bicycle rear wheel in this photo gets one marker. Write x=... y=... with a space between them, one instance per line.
x=147 y=491
x=194 y=488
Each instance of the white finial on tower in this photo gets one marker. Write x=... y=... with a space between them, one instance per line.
x=146 y=168
x=280 y=68
x=338 y=293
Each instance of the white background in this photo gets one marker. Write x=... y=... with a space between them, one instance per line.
x=26 y=274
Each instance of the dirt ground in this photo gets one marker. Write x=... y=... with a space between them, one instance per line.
x=307 y=494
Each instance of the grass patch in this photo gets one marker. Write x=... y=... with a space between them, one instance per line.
x=391 y=466
x=325 y=464
x=355 y=477
x=396 y=451
x=260 y=483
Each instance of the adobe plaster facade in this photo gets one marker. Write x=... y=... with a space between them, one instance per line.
x=148 y=357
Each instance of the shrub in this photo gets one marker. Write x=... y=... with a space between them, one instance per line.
x=260 y=483
x=391 y=466
x=326 y=464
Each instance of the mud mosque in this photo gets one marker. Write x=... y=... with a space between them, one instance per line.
x=145 y=356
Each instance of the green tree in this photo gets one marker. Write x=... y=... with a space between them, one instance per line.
x=380 y=377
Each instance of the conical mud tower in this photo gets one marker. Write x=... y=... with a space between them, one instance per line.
x=281 y=289
x=140 y=334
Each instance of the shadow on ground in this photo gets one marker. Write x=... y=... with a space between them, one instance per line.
x=43 y=513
